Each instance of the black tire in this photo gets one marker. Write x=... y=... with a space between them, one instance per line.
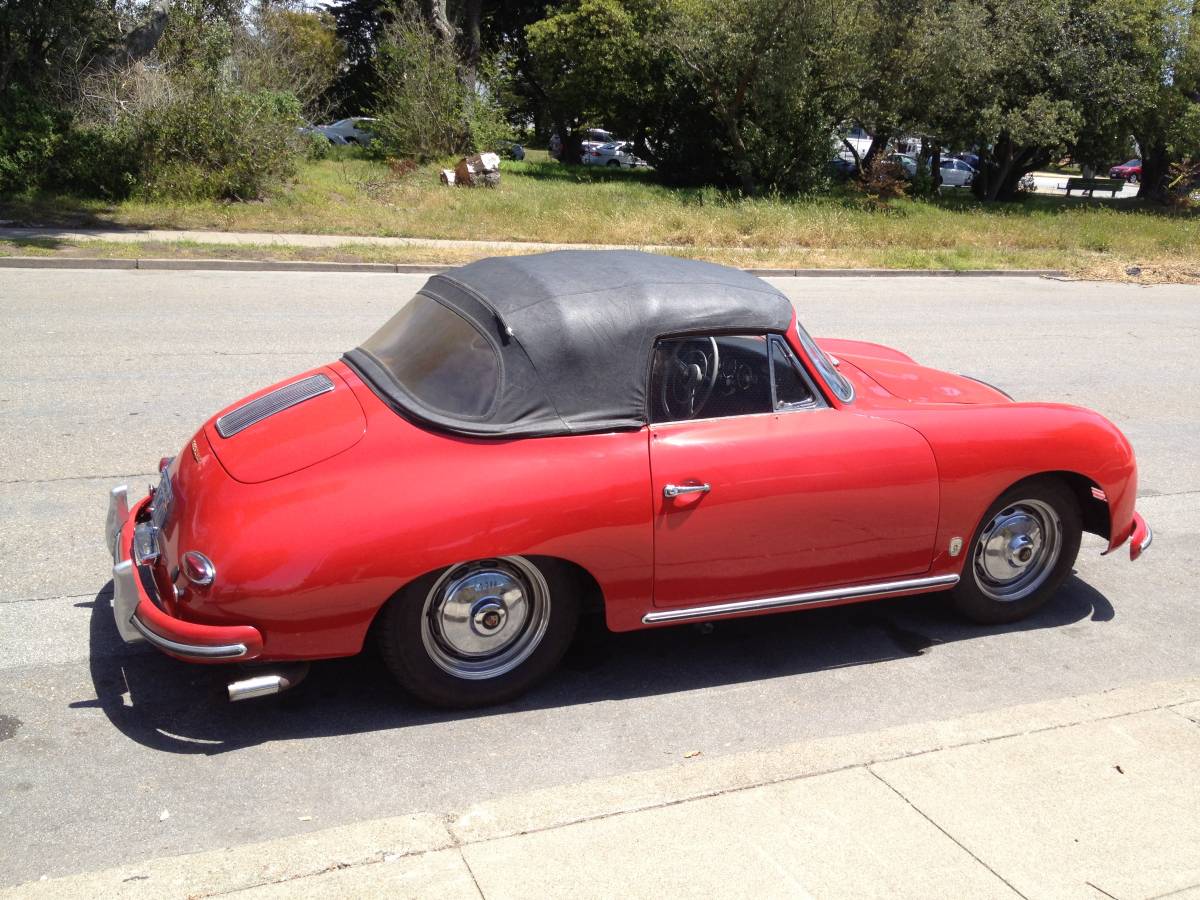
x=1132 y=179
x=613 y=162
x=403 y=630
x=977 y=595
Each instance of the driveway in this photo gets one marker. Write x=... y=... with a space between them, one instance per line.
x=111 y=753
x=1048 y=183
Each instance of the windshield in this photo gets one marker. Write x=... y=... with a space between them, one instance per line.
x=438 y=358
x=839 y=385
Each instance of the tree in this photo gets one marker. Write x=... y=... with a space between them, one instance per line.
x=883 y=34
x=587 y=61
x=292 y=50
x=1167 y=122
x=360 y=25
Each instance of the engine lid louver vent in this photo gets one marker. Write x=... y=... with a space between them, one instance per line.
x=268 y=404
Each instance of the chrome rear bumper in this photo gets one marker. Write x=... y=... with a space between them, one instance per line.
x=137 y=616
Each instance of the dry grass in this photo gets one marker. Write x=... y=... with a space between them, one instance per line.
x=540 y=200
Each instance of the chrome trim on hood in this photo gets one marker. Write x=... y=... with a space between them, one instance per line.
x=268 y=404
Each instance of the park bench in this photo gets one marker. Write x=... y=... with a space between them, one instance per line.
x=1112 y=185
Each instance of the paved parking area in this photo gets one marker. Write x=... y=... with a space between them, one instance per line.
x=1057 y=184
x=109 y=753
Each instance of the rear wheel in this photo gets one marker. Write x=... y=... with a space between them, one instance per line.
x=1133 y=179
x=1021 y=552
x=479 y=632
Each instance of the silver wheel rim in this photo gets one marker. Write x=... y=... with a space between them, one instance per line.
x=484 y=618
x=1017 y=550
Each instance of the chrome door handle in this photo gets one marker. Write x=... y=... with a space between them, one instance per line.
x=674 y=490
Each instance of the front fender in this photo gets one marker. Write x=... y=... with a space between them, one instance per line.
x=981 y=451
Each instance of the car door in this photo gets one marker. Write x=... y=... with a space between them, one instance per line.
x=763 y=489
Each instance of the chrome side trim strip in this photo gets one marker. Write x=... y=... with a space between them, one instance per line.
x=220 y=651
x=268 y=404
x=880 y=589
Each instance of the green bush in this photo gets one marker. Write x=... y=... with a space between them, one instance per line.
x=316 y=146
x=217 y=143
x=30 y=136
x=96 y=160
x=420 y=113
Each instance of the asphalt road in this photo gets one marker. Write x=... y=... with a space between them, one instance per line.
x=111 y=753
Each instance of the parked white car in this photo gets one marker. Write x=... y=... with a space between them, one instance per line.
x=857 y=137
x=956 y=173
x=617 y=154
x=592 y=138
x=355 y=130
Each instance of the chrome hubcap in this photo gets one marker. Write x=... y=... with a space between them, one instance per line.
x=484 y=618
x=1018 y=550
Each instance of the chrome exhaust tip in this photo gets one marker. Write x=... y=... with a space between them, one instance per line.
x=275 y=681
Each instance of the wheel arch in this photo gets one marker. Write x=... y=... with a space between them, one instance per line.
x=1093 y=510
x=591 y=595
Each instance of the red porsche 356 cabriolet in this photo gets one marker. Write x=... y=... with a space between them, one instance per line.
x=659 y=437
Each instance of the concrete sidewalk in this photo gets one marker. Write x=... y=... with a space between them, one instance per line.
x=257 y=238
x=1095 y=796
x=239 y=239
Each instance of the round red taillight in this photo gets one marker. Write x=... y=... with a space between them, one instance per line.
x=197 y=568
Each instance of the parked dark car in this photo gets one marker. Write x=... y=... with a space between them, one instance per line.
x=842 y=169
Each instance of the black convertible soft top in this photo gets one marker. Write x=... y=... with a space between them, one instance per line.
x=573 y=332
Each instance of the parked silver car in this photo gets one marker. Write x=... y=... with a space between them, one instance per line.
x=617 y=154
x=956 y=173
x=354 y=130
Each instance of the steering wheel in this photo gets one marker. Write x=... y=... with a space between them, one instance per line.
x=691 y=374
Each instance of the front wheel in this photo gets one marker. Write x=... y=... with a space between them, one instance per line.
x=1022 y=551
x=479 y=632
x=1133 y=179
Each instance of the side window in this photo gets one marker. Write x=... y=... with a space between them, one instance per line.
x=708 y=377
x=792 y=389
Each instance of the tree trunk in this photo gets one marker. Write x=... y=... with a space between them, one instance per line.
x=741 y=157
x=1154 y=172
x=879 y=142
x=469 y=42
x=572 y=142
x=435 y=15
x=933 y=152
x=858 y=164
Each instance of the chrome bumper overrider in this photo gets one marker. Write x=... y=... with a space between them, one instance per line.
x=118 y=512
x=125 y=594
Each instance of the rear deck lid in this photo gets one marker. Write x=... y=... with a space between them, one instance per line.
x=287 y=427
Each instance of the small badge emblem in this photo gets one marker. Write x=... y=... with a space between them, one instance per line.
x=195 y=452
x=955 y=546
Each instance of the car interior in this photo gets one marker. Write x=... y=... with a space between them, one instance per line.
x=713 y=376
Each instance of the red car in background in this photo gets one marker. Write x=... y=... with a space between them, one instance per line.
x=657 y=438
x=1131 y=171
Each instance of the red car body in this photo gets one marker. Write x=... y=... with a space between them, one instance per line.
x=319 y=514
x=1130 y=171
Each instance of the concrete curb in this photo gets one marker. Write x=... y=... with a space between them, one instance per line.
x=301 y=856
x=256 y=265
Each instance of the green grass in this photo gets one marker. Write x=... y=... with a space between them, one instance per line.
x=541 y=200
